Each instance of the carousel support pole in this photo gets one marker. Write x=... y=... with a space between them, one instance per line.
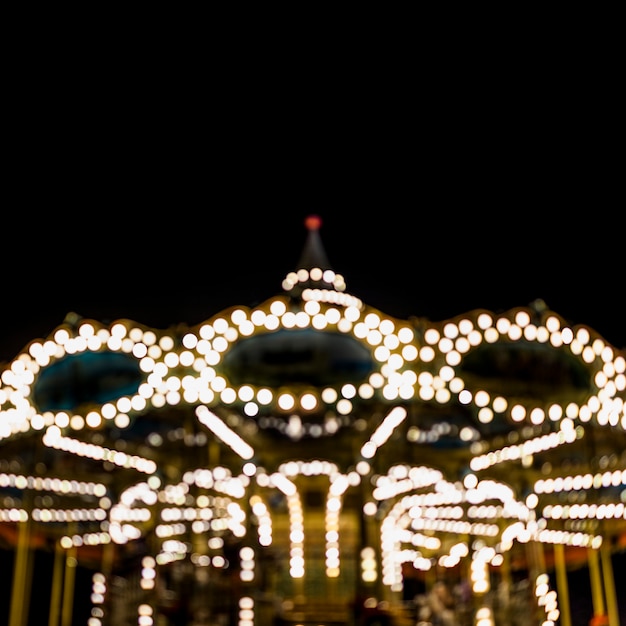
x=108 y=557
x=562 y=586
x=596 y=582
x=609 y=584
x=537 y=565
x=20 y=593
x=68 y=587
x=506 y=581
x=107 y=562
x=57 y=585
x=430 y=578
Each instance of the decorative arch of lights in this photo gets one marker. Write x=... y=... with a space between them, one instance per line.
x=413 y=362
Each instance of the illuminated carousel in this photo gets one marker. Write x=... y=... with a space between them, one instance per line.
x=315 y=461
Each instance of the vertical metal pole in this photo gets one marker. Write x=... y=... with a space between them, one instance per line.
x=561 y=583
x=596 y=582
x=68 y=587
x=106 y=563
x=502 y=604
x=536 y=566
x=609 y=584
x=57 y=585
x=108 y=556
x=20 y=596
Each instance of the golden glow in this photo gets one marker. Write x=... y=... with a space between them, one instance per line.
x=414 y=363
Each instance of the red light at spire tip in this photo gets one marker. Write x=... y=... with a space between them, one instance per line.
x=313 y=222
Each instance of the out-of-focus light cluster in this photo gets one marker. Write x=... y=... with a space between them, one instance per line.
x=566 y=434
x=148 y=573
x=187 y=369
x=461 y=509
x=394 y=418
x=484 y=617
x=369 y=565
x=145 y=615
x=98 y=595
x=246 y=611
x=247 y=564
x=479 y=568
x=547 y=599
x=413 y=362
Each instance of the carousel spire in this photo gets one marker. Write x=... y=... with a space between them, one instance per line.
x=314 y=271
x=314 y=253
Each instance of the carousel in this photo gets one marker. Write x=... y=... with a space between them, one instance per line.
x=313 y=461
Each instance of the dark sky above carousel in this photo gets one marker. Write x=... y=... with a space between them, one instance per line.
x=434 y=264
